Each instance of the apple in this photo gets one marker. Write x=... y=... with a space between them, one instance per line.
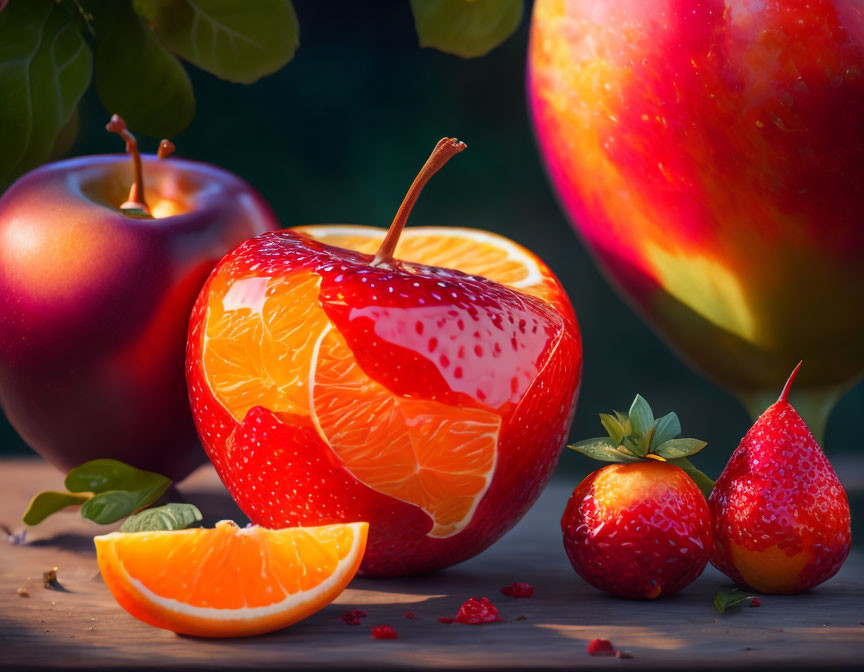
x=336 y=385
x=95 y=297
x=711 y=155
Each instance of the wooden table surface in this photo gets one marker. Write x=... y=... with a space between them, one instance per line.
x=82 y=627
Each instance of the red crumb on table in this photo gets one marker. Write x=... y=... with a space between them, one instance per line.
x=518 y=589
x=601 y=647
x=755 y=602
x=477 y=610
x=353 y=617
x=383 y=632
x=445 y=619
x=410 y=615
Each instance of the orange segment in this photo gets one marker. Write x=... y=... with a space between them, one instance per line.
x=257 y=349
x=437 y=457
x=229 y=581
x=468 y=250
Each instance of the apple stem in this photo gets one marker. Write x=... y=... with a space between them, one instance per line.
x=136 y=200
x=443 y=152
x=784 y=395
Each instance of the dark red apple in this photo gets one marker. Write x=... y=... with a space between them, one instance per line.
x=95 y=302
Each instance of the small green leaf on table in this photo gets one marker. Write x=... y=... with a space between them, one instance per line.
x=136 y=76
x=466 y=28
x=106 y=474
x=237 y=41
x=167 y=517
x=730 y=597
x=45 y=68
x=46 y=503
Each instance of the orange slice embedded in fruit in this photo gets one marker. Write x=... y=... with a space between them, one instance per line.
x=468 y=250
x=229 y=581
x=258 y=342
x=438 y=457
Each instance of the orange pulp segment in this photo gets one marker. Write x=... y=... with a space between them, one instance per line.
x=438 y=457
x=229 y=581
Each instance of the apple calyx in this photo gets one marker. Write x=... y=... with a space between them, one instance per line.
x=136 y=204
x=784 y=395
x=636 y=436
x=443 y=152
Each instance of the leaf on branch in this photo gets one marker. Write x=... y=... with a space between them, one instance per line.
x=136 y=76
x=466 y=29
x=237 y=41
x=45 y=68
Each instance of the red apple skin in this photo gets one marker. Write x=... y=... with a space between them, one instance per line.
x=94 y=304
x=281 y=473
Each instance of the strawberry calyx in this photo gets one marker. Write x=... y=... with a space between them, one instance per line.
x=637 y=436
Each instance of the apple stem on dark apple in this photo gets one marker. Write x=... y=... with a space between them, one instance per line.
x=784 y=395
x=443 y=152
x=136 y=200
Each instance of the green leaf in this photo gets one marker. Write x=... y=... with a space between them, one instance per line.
x=237 y=41
x=106 y=474
x=167 y=517
x=613 y=426
x=135 y=75
x=705 y=484
x=641 y=417
x=45 y=68
x=603 y=450
x=466 y=28
x=46 y=503
x=730 y=597
x=674 y=448
x=635 y=444
x=665 y=428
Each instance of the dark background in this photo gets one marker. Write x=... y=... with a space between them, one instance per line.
x=337 y=137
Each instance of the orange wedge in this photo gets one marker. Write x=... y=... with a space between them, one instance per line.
x=471 y=251
x=229 y=581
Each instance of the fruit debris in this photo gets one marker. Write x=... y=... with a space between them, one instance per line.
x=23 y=592
x=49 y=578
x=384 y=632
x=477 y=610
x=518 y=589
x=755 y=602
x=600 y=647
x=353 y=616
x=410 y=615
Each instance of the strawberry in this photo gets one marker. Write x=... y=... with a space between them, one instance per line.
x=781 y=516
x=639 y=528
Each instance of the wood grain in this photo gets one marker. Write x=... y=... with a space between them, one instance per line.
x=83 y=628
